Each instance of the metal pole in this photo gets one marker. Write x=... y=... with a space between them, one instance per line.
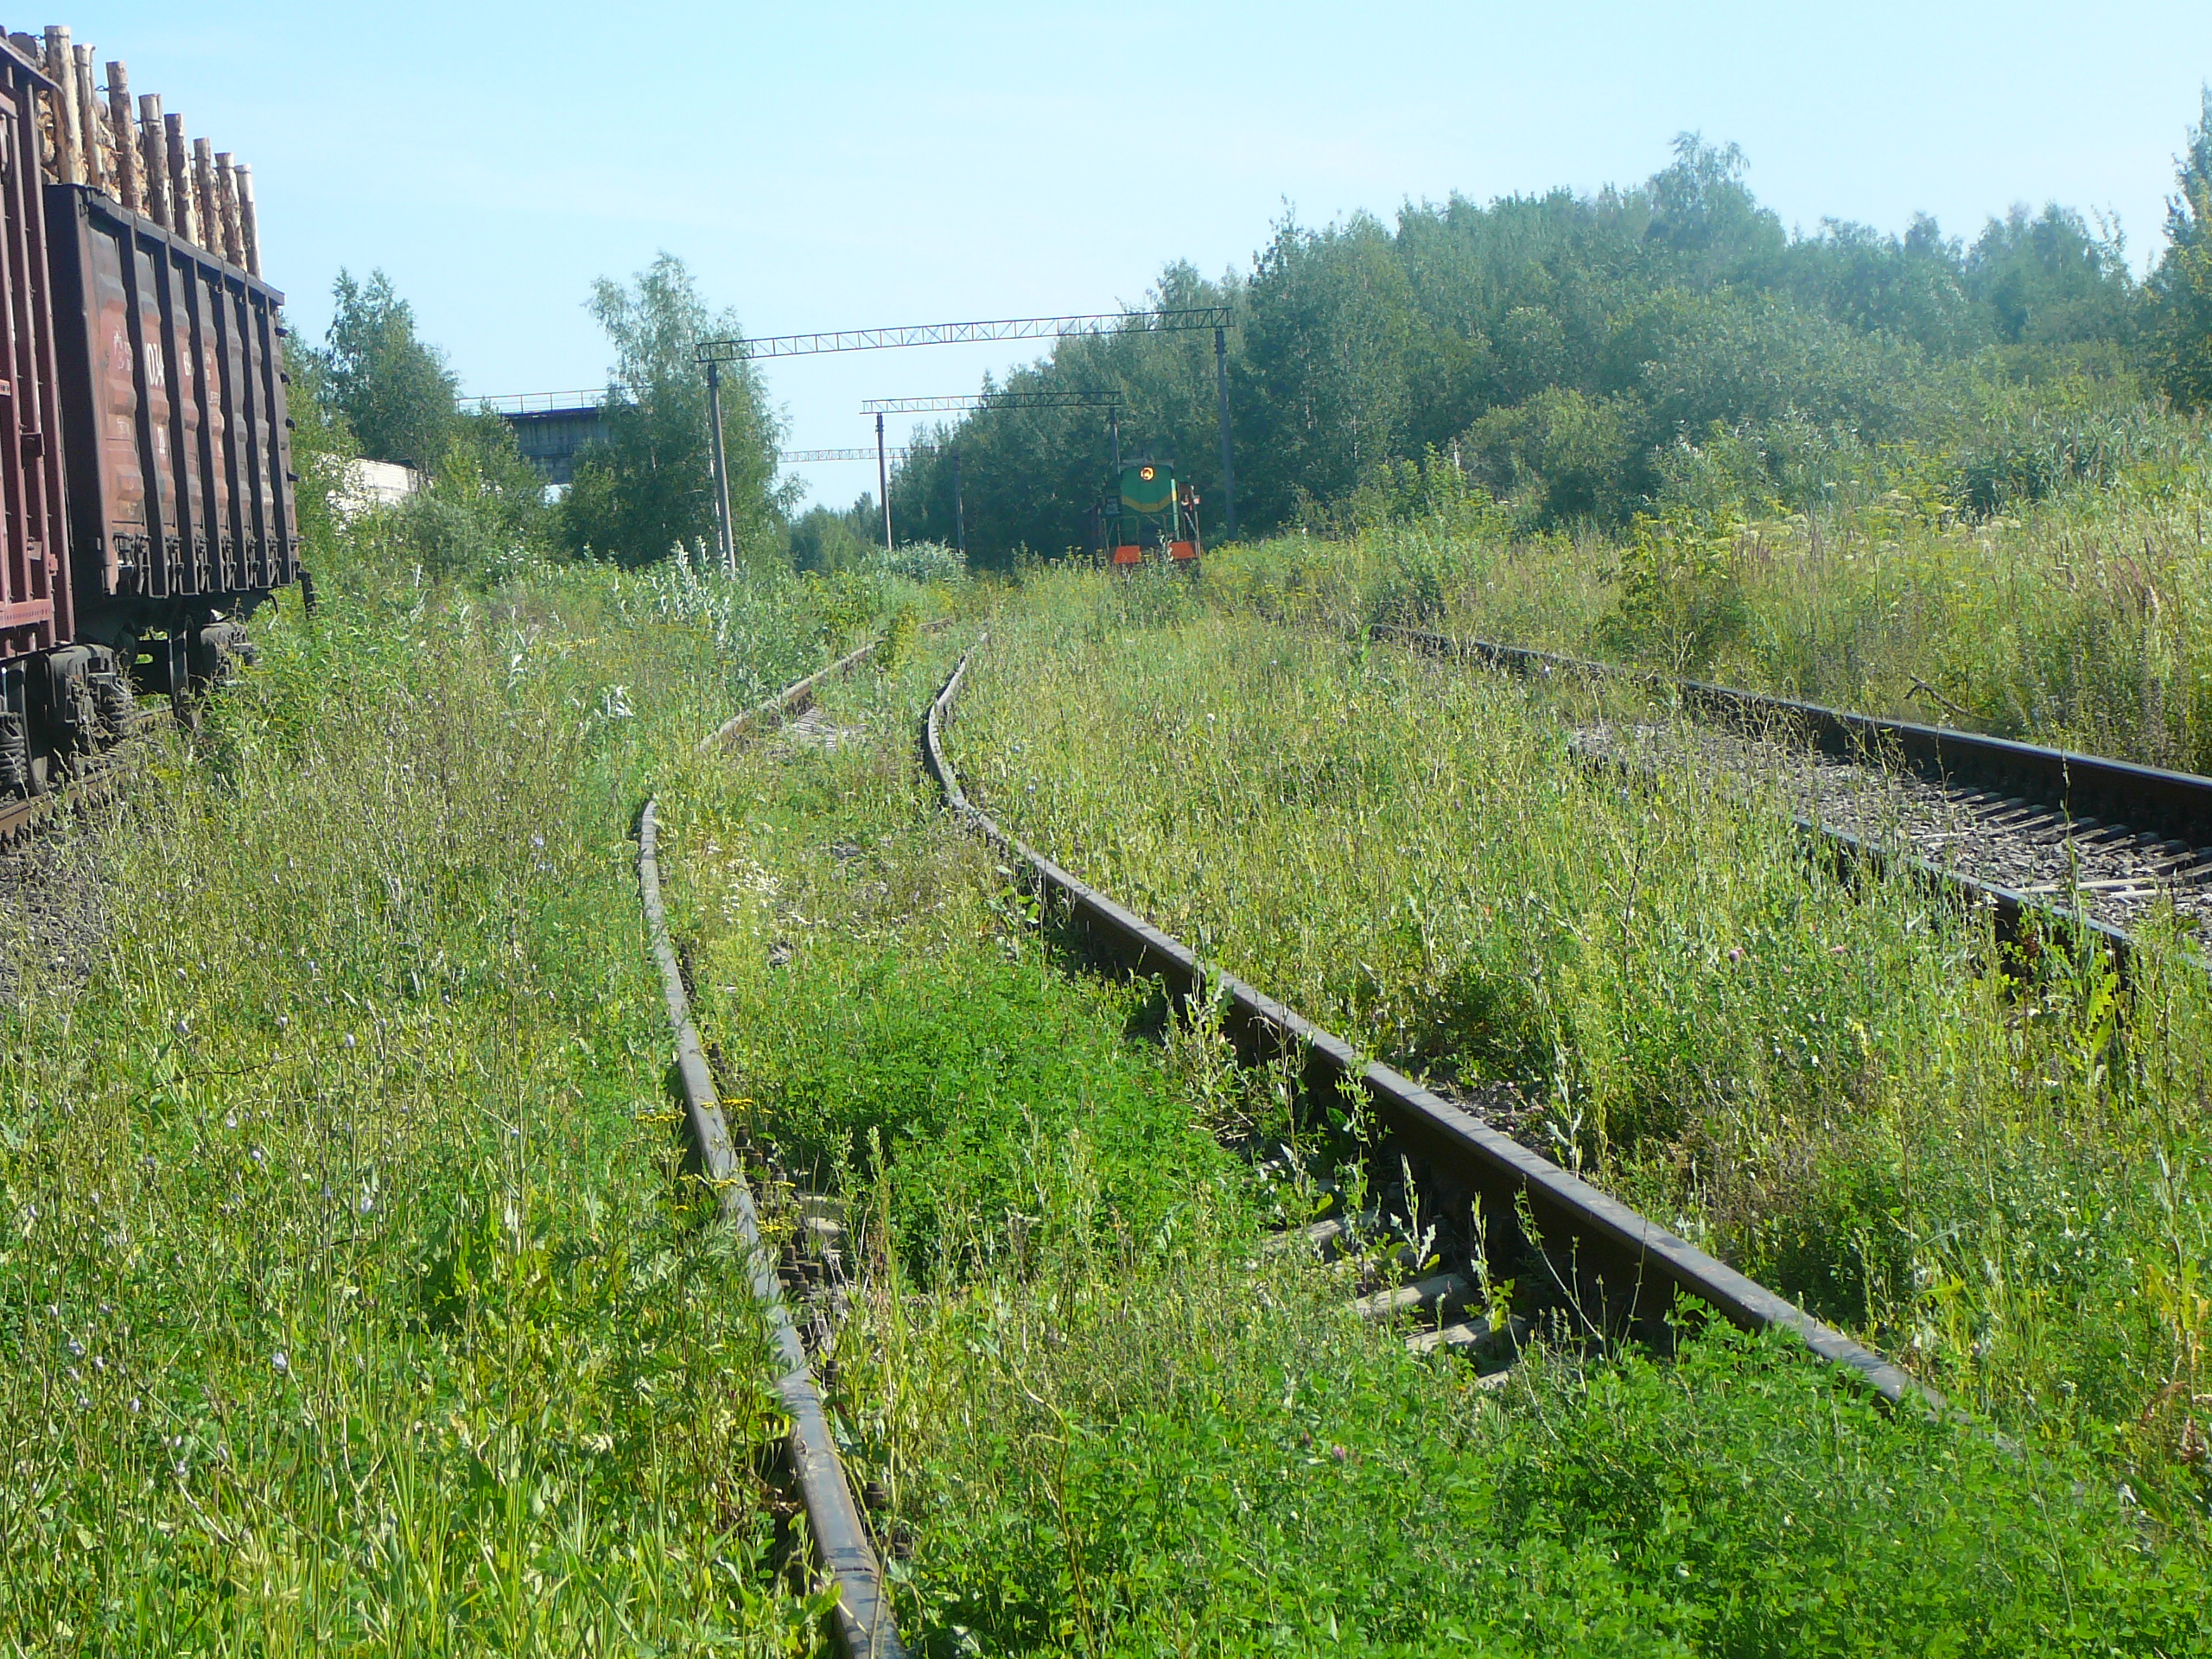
x=959 y=508
x=721 y=469
x=1114 y=431
x=1221 y=398
x=883 y=482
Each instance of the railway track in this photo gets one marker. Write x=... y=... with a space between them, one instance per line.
x=92 y=776
x=1600 y=1271
x=2034 y=835
x=1610 y=1272
x=844 y=1548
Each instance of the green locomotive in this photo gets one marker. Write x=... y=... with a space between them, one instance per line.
x=1150 y=517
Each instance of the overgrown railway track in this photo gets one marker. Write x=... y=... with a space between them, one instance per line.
x=1610 y=1272
x=2037 y=836
x=845 y=1550
x=93 y=777
x=1589 y=1267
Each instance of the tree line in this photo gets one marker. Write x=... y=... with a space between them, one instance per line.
x=1583 y=358
x=1566 y=359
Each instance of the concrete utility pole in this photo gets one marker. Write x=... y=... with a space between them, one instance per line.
x=721 y=469
x=959 y=508
x=1221 y=398
x=883 y=481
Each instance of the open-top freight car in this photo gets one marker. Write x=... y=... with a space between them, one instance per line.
x=146 y=487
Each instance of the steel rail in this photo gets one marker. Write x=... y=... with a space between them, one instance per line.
x=796 y=697
x=100 y=770
x=864 y=1624
x=2051 y=777
x=2174 y=804
x=1598 y=1245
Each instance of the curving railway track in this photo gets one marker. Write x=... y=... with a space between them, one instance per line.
x=1610 y=1272
x=2087 y=840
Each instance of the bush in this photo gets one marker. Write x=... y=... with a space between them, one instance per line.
x=483 y=517
x=931 y=563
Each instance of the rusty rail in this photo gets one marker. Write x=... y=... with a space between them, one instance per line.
x=798 y=696
x=1599 y=1246
x=2173 y=804
x=865 y=1628
x=2085 y=786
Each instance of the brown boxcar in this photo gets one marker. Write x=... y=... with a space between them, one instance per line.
x=178 y=447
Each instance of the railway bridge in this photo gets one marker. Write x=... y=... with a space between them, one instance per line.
x=552 y=427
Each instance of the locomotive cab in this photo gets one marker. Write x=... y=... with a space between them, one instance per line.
x=1153 y=518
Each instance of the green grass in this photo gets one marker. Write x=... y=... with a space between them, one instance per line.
x=1179 y=1456
x=2080 y=622
x=346 y=1303
x=1831 y=1088
x=1106 y=1424
x=351 y=1301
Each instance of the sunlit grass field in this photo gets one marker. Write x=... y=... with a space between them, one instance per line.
x=346 y=1305
x=1832 y=1085
x=1106 y=1422
x=2081 y=619
x=351 y=1301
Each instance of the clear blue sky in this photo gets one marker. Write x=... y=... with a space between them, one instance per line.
x=851 y=164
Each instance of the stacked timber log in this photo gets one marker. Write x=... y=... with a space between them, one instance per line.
x=90 y=135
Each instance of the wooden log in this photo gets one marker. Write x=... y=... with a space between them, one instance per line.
x=129 y=173
x=153 y=160
x=226 y=207
x=184 y=214
x=249 y=228
x=41 y=106
x=61 y=68
x=203 y=195
x=91 y=126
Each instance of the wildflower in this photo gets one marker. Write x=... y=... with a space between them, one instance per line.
x=230 y=1119
x=349 y=1039
x=279 y=1364
x=1735 y=953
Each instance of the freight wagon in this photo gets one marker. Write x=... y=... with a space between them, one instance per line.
x=146 y=486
